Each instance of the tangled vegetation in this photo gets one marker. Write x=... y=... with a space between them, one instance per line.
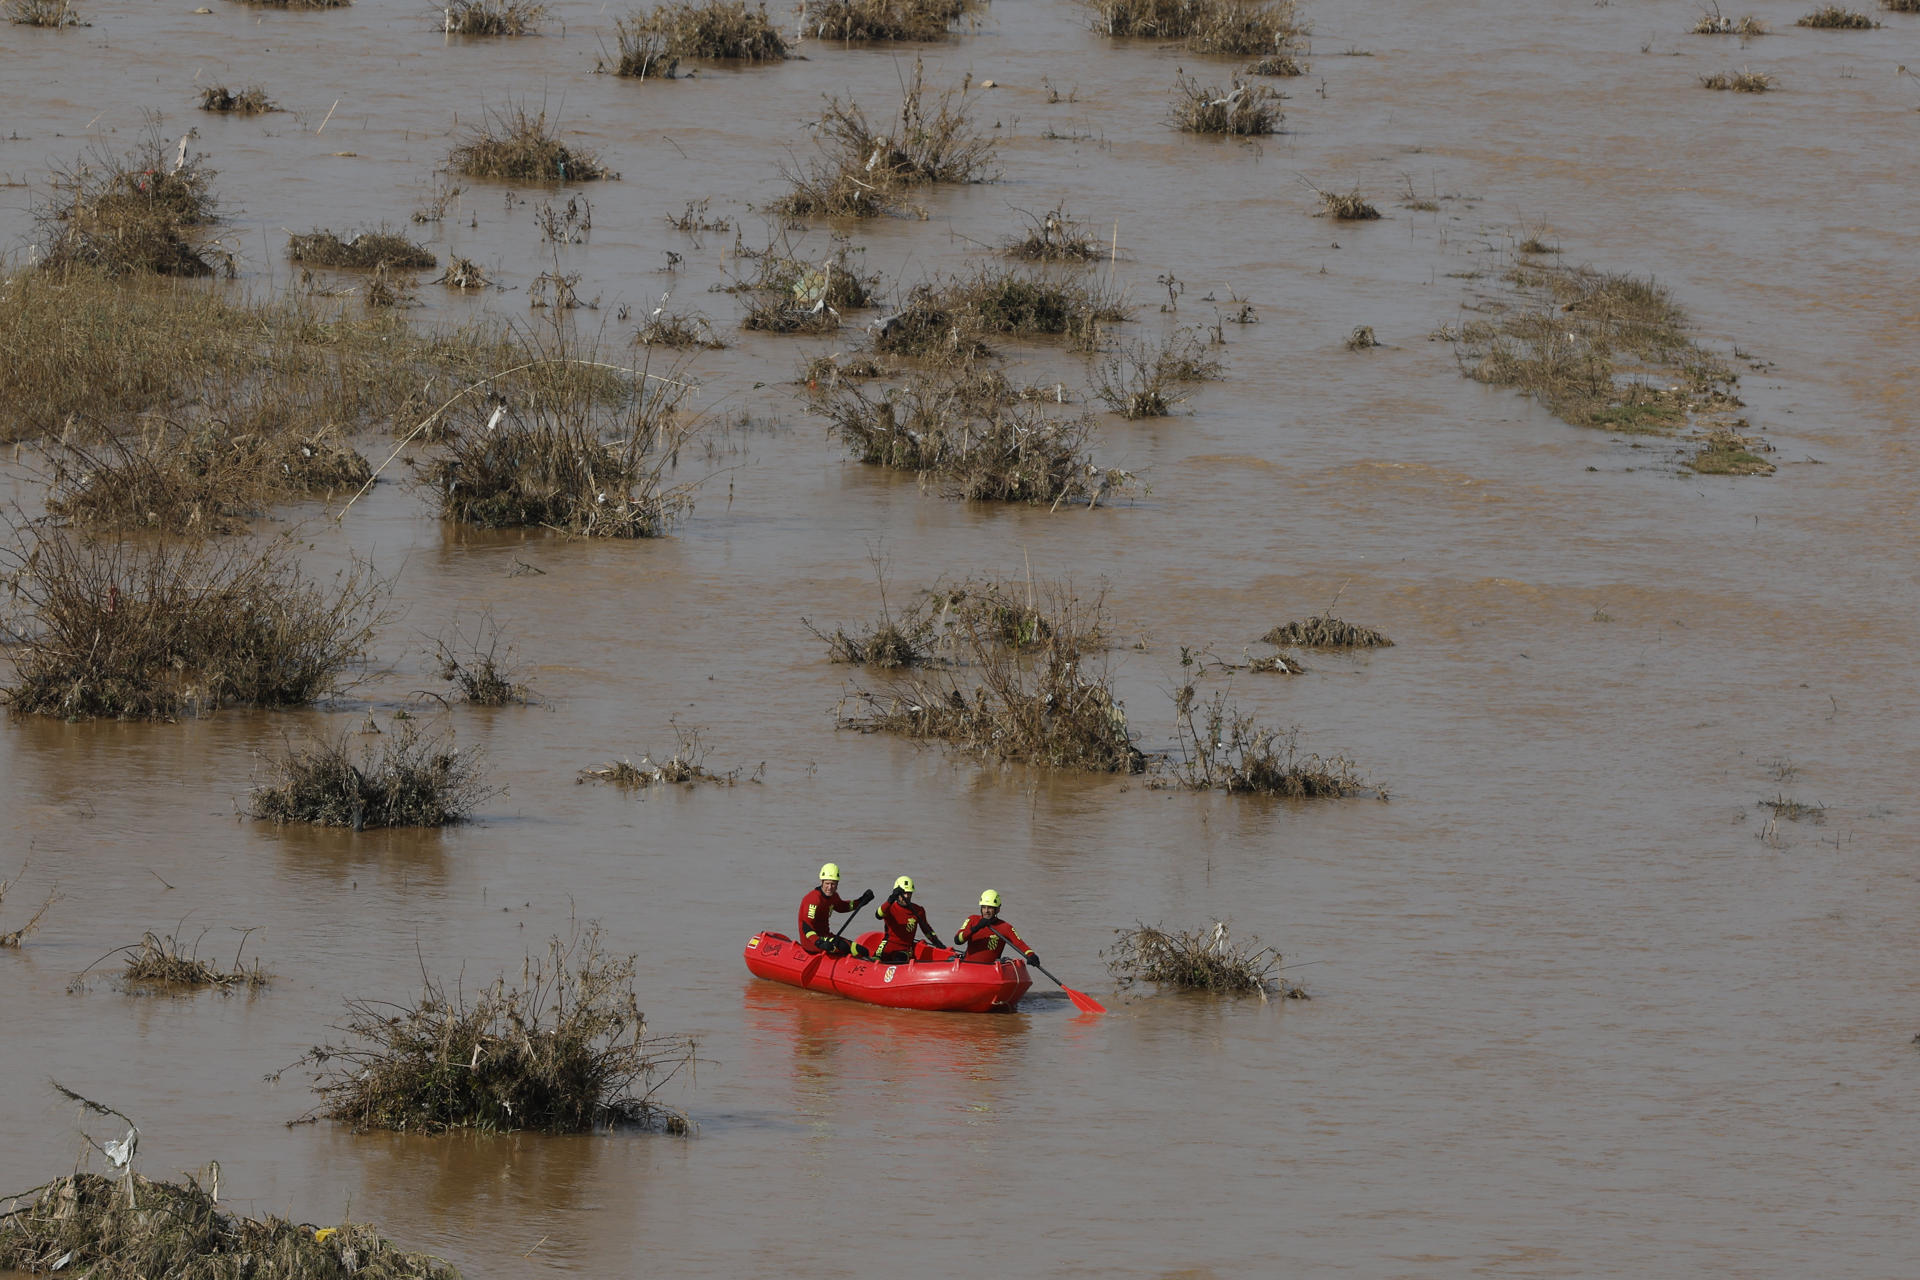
x=1348 y=206
x=1242 y=111
x=490 y=17
x=10 y=939
x=1224 y=749
x=883 y=21
x=963 y=435
x=53 y=14
x=1238 y=28
x=946 y=321
x=685 y=767
x=1744 y=80
x=152 y=630
x=480 y=667
x=1055 y=237
x=1833 y=17
x=1324 y=631
x=404 y=780
x=1725 y=452
x=1145 y=381
x=133 y=214
x=369 y=250
x=657 y=42
x=131 y=1228
x=1203 y=960
x=250 y=101
x=160 y=963
x=566 y=1050
x=516 y=144
x=1039 y=702
x=1713 y=23
x=863 y=172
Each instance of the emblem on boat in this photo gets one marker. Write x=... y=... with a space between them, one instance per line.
x=890 y=969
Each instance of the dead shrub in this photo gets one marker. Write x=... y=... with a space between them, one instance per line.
x=1054 y=237
x=678 y=331
x=368 y=250
x=1203 y=960
x=132 y=214
x=710 y=31
x=1223 y=749
x=1276 y=65
x=463 y=274
x=685 y=767
x=1744 y=80
x=490 y=17
x=516 y=144
x=295 y=4
x=1713 y=23
x=1901 y=6
x=1245 y=110
x=157 y=963
x=946 y=320
x=839 y=279
x=1229 y=27
x=1145 y=381
x=250 y=101
x=147 y=631
x=973 y=447
x=1349 y=206
x=129 y=1227
x=404 y=780
x=902 y=641
x=53 y=14
x=480 y=667
x=567 y=1050
x=1833 y=17
x=1041 y=703
x=10 y=939
x=1324 y=631
x=861 y=172
x=884 y=21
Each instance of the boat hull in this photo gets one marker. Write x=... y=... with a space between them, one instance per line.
x=931 y=981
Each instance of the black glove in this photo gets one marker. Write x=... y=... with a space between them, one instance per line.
x=1033 y=957
x=865 y=898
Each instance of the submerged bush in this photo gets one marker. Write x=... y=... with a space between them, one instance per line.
x=10 y=939
x=946 y=320
x=1054 y=237
x=1036 y=702
x=402 y=781
x=168 y=962
x=862 y=172
x=44 y=13
x=884 y=21
x=1741 y=81
x=517 y=145
x=147 y=631
x=690 y=31
x=1243 y=110
x=368 y=250
x=1324 y=631
x=134 y=214
x=1225 y=750
x=250 y=101
x=480 y=668
x=131 y=1227
x=1235 y=27
x=1145 y=381
x=1203 y=960
x=565 y=1051
x=490 y=17
x=1833 y=17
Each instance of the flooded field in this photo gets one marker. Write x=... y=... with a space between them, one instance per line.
x=1584 y=1003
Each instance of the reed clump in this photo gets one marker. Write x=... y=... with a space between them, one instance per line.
x=194 y=479
x=566 y=1050
x=1230 y=27
x=10 y=939
x=167 y=962
x=946 y=320
x=891 y=641
x=514 y=143
x=1901 y=6
x=972 y=445
x=368 y=250
x=1044 y=703
x=1349 y=206
x=884 y=21
x=1713 y=23
x=249 y=101
x=1726 y=452
x=1324 y=631
x=862 y=170
x=1207 y=959
x=405 y=780
x=133 y=214
x=1146 y=381
x=1833 y=17
x=1242 y=111
x=1277 y=65
x=1598 y=349
x=481 y=667
x=148 y=631
x=1224 y=749
x=130 y=1227
x=712 y=31
x=53 y=14
x=490 y=17
x=1055 y=237
x=1744 y=80
x=588 y=459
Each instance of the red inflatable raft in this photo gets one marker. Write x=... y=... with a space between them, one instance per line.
x=931 y=981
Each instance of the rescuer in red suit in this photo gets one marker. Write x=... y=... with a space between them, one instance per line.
x=817 y=910
x=902 y=918
x=983 y=935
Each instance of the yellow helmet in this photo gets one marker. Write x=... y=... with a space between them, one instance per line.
x=989 y=898
x=830 y=871
x=903 y=885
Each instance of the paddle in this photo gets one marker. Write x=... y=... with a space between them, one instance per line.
x=813 y=965
x=1081 y=1000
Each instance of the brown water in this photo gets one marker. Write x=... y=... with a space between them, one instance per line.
x=1576 y=1012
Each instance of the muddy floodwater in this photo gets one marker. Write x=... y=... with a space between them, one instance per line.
x=1582 y=1004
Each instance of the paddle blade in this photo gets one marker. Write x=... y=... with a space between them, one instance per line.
x=1084 y=1002
x=812 y=967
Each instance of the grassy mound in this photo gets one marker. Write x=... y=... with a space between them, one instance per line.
x=136 y=214
x=1203 y=960
x=151 y=631
x=131 y=1228
x=368 y=250
x=514 y=144
x=403 y=781
x=564 y=1052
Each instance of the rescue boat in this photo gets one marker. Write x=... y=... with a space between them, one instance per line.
x=931 y=980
